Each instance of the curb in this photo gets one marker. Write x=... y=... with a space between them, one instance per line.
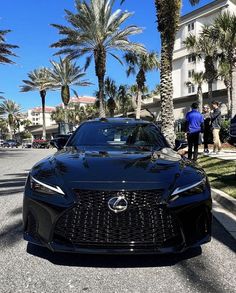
x=224 y=200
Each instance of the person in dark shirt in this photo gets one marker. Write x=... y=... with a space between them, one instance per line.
x=195 y=124
x=216 y=124
x=207 y=127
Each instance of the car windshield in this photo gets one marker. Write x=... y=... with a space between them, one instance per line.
x=108 y=134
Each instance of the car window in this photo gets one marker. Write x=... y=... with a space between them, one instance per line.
x=97 y=133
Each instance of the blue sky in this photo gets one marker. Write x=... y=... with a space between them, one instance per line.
x=30 y=22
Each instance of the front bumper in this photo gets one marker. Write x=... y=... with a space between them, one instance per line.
x=193 y=218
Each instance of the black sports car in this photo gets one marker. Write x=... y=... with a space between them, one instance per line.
x=117 y=187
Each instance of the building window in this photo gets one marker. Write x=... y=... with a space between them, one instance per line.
x=190 y=73
x=191 y=89
x=191 y=26
x=191 y=58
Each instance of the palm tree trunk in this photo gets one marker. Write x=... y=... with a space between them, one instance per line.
x=229 y=95
x=140 y=79
x=200 y=98
x=10 y=124
x=102 y=112
x=43 y=96
x=233 y=101
x=100 y=68
x=167 y=107
x=10 y=132
x=168 y=14
x=65 y=96
x=210 y=90
x=139 y=104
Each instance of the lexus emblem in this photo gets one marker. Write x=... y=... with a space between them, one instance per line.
x=118 y=204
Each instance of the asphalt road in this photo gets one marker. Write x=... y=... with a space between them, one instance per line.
x=25 y=268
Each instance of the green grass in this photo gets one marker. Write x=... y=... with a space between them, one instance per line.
x=221 y=173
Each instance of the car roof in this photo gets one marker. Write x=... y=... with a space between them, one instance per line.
x=118 y=121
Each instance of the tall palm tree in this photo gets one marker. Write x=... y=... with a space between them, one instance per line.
x=224 y=34
x=6 y=49
x=65 y=73
x=39 y=80
x=124 y=98
x=96 y=32
x=225 y=74
x=111 y=93
x=11 y=110
x=139 y=64
x=168 y=16
x=203 y=48
x=198 y=79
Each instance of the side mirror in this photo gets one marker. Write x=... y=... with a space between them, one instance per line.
x=59 y=142
x=180 y=144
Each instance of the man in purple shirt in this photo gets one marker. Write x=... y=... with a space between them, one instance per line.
x=195 y=125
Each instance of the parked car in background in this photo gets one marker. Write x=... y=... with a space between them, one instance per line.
x=26 y=143
x=40 y=144
x=10 y=143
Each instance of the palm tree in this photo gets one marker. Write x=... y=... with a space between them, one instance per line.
x=204 y=47
x=111 y=93
x=124 y=98
x=58 y=115
x=198 y=79
x=63 y=74
x=224 y=34
x=6 y=49
x=96 y=31
x=139 y=64
x=39 y=80
x=168 y=16
x=225 y=74
x=11 y=110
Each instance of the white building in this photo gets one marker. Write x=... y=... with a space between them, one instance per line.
x=36 y=117
x=82 y=101
x=183 y=63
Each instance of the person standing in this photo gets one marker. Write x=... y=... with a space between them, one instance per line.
x=195 y=124
x=215 y=125
x=207 y=127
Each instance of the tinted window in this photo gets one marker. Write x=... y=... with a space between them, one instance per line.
x=98 y=134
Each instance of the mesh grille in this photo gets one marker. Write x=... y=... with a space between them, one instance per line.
x=145 y=222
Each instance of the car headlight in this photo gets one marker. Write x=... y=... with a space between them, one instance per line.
x=41 y=187
x=190 y=189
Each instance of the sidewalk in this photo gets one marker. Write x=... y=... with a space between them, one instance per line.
x=224 y=155
x=224 y=210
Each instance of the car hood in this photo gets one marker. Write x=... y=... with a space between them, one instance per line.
x=115 y=169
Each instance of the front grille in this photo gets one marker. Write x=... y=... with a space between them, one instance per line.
x=145 y=222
